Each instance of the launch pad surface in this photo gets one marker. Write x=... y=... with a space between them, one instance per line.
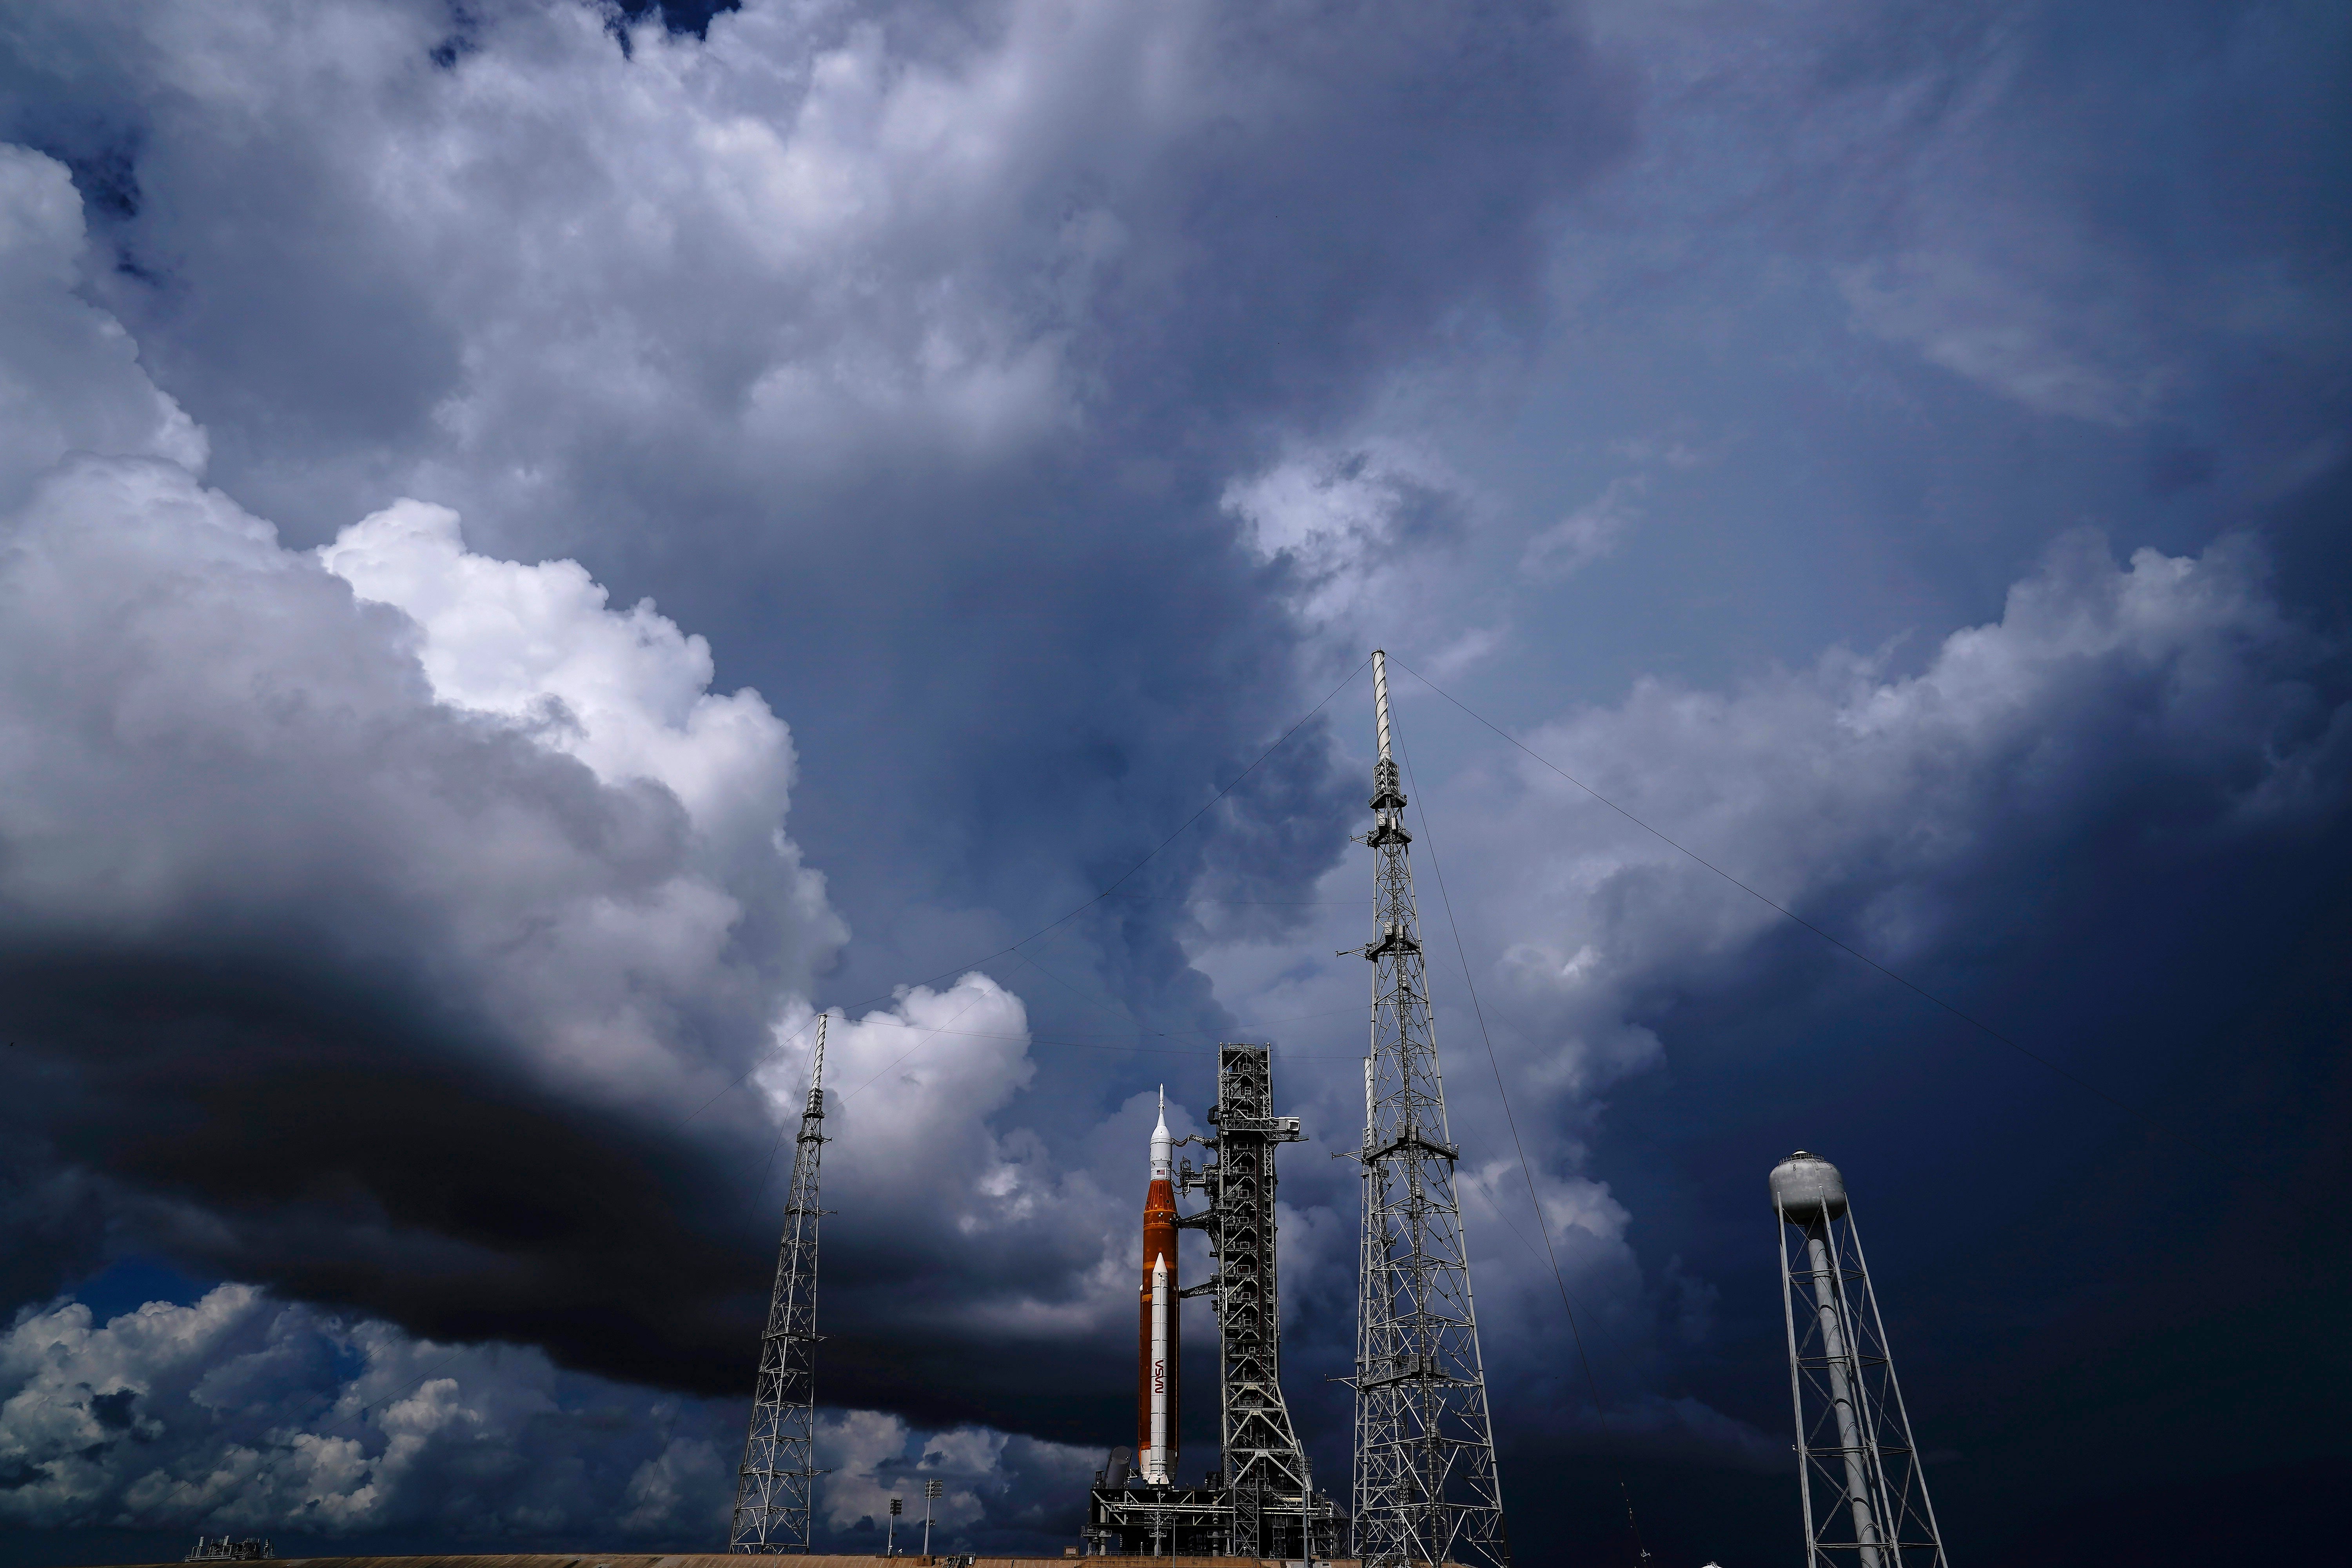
x=737 y=1559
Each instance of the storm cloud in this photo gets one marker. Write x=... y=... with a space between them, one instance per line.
x=453 y=909
x=540 y=544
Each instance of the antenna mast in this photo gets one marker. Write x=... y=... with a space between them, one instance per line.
x=772 y=1490
x=1426 y=1487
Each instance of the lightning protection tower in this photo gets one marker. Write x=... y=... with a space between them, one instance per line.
x=772 y=1490
x=1426 y=1487
x=1865 y=1500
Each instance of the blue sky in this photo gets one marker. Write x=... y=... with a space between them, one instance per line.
x=543 y=547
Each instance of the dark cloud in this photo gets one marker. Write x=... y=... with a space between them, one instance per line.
x=2042 y=798
x=982 y=316
x=288 y=1002
x=1037 y=406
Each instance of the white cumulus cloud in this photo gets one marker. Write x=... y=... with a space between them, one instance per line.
x=2169 y=683
x=69 y=375
x=242 y=1413
x=206 y=730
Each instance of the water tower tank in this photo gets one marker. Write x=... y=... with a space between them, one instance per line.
x=1808 y=1189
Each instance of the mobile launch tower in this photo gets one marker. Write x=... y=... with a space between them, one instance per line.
x=1262 y=1503
x=772 y=1489
x=1426 y=1487
x=1267 y=1484
x=1865 y=1498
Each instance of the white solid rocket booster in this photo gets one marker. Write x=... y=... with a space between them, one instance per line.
x=1155 y=1458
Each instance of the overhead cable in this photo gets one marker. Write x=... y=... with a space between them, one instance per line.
x=1973 y=1021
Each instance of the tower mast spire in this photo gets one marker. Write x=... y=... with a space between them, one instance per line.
x=772 y=1490
x=1426 y=1487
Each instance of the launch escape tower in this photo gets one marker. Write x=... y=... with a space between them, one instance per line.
x=1426 y=1491
x=1865 y=1500
x=772 y=1490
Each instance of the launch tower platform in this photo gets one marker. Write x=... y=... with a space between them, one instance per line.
x=1133 y=1519
x=1262 y=1504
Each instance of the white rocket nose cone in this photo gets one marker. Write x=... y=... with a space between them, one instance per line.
x=1163 y=1147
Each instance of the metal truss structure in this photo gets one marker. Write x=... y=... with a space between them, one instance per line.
x=1133 y=1521
x=1265 y=1478
x=1865 y=1498
x=773 y=1488
x=1426 y=1487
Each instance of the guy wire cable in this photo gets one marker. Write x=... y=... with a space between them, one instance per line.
x=2149 y=1118
x=1543 y=1227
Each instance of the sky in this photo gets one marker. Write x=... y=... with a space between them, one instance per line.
x=543 y=545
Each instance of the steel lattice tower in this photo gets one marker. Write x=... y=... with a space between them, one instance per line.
x=1855 y=1455
x=1265 y=1475
x=772 y=1490
x=1426 y=1487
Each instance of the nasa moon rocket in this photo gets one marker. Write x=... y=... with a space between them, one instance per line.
x=1157 y=1384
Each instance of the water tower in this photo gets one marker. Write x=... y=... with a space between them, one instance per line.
x=1865 y=1500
